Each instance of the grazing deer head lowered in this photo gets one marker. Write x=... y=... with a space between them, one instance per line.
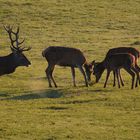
x=114 y=63
x=113 y=51
x=9 y=63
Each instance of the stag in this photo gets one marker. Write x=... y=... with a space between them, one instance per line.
x=9 y=63
x=63 y=56
x=114 y=63
x=130 y=50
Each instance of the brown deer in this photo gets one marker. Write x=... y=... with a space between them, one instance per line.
x=114 y=63
x=9 y=63
x=64 y=56
x=130 y=50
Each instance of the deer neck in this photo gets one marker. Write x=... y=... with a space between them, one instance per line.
x=11 y=62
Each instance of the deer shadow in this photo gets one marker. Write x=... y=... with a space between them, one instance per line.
x=55 y=108
x=101 y=90
x=4 y=94
x=38 y=94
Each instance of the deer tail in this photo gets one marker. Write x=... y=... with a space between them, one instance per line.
x=43 y=54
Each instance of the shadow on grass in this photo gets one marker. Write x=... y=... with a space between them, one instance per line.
x=55 y=108
x=3 y=95
x=76 y=102
x=101 y=90
x=39 y=94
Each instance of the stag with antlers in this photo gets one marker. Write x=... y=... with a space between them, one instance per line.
x=9 y=63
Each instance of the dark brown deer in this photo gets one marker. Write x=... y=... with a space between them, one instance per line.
x=63 y=56
x=9 y=63
x=114 y=63
x=130 y=50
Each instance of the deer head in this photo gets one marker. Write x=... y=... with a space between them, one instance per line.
x=98 y=69
x=16 y=48
x=89 y=70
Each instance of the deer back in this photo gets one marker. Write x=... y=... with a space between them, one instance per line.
x=130 y=50
x=119 y=60
x=64 y=56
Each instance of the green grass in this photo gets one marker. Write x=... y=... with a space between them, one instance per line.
x=29 y=110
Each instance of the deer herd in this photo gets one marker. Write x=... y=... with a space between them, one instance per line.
x=115 y=59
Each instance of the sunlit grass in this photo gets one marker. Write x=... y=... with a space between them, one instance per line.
x=31 y=110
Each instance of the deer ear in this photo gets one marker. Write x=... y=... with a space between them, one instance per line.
x=93 y=62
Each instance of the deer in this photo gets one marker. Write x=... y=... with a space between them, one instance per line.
x=67 y=57
x=114 y=63
x=16 y=58
x=130 y=50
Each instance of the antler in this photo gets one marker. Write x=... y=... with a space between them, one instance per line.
x=17 y=47
x=26 y=49
x=9 y=31
x=17 y=37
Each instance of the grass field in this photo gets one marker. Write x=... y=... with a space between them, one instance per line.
x=29 y=110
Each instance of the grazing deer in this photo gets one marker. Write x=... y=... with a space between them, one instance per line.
x=130 y=50
x=63 y=56
x=114 y=63
x=9 y=63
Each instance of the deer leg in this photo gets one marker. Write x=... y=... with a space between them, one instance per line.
x=107 y=76
x=132 y=74
x=51 y=76
x=137 y=67
x=122 y=83
x=117 y=73
x=48 y=75
x=137 y=73
x=82 y=71
x=114 y=82
x=73 y=76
